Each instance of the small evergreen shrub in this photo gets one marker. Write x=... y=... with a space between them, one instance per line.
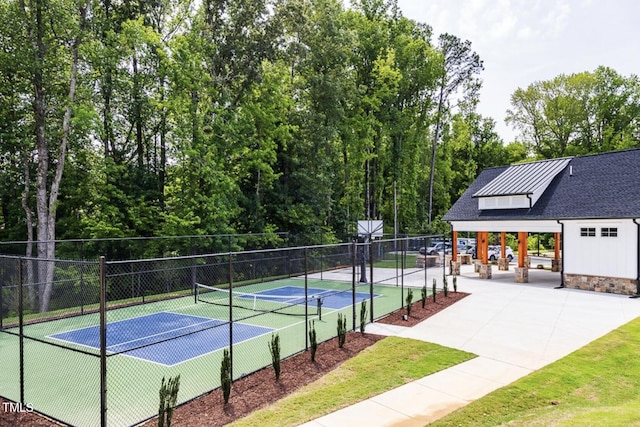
x=445 y=286
x=408 y=300
x=313 y=339
x=225 y=375
x=423 y=295
x=342 y=329
x=168 y=399
x=433 y=289
x=455 y=284
x=363 y=315
x=274 y=348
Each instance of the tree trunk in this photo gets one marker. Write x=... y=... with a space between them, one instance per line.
x=46 y=200
x=30 y=279
x=434 y=150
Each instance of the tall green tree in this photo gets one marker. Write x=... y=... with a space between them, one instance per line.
x=460 y=67
x=53 y=75
x=579 y=113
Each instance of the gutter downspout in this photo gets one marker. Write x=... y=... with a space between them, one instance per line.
x=562 y=250
x=528 y=196
x=637 y=295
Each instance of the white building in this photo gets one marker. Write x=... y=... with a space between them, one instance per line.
x=592 y=201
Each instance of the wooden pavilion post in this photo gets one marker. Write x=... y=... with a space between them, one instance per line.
x=556 y=263
x=454 y=246
x=522 y=248
x=503 y=262
x=483 y=246
x=454 y=268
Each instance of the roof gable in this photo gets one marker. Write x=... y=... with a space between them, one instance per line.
x=519 y=186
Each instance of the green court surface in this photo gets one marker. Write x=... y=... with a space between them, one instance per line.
x=65 y=384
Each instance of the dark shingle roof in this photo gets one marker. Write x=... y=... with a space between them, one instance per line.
x=595 y=186
x=523 y=178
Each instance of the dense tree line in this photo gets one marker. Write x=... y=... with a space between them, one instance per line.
x=139 y=118
x=173 y=117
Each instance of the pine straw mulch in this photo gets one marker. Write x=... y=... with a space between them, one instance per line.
x=260 y=388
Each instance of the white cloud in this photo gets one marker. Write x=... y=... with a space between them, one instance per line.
x=556 y=19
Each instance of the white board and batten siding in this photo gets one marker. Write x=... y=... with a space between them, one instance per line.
x=598 y=254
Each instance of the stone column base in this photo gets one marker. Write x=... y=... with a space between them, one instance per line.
x=503 y=264
x=485 y=271
x=454 y=269
x=522 y=275
x=447 y=260
x=556 y=265
x=476 y=266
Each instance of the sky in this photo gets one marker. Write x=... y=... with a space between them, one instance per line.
x=524 y=41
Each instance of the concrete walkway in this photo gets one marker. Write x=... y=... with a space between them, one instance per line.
x=514 y=329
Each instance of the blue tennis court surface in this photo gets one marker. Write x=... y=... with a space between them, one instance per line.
x=331 y=298
x=188 y=336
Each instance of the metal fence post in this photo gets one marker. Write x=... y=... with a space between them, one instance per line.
x=103 y=343
x=426 y=278
x=1 y=312
x=353 y=280
x=306 y=300
x=403 y=264
x=370 y=243
x=21 y=329
x=230 y=313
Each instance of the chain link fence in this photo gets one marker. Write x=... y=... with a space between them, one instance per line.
x=88 y=343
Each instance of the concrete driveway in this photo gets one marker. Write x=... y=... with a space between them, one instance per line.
x=514 y=328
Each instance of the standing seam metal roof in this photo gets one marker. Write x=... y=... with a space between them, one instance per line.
x=524 y=178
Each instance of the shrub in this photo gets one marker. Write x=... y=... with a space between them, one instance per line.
x=274 y=348
x=423 y=295
x=445 y=286
x=168 y=399
x=408 y=300
x=455 y=284
x=433 y=289
x=342 y=329
x=313 y=339
x=225 y=375
x=363 y=315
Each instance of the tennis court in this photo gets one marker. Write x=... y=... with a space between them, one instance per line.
x=179 y=329
x=151 y=337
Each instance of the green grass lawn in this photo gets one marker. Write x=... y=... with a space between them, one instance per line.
x=390 y=262
x=364 y=376
x=598 y=385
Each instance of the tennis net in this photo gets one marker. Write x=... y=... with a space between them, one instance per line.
x=295 y=305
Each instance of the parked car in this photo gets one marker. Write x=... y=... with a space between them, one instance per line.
x=438 y=248
x=494 y=253
x=468 y=249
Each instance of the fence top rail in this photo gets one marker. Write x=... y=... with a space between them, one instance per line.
x=26 y=258
x=426 y=236
x=190 y=257
x=226 y=254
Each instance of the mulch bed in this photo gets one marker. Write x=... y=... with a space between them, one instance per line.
x=418 y=314
x=260 y=388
